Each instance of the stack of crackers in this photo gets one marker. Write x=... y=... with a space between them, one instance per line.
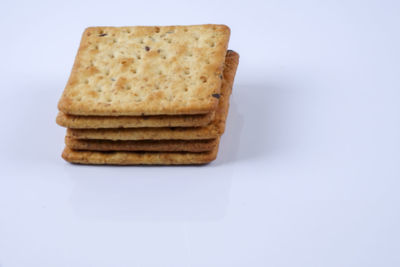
x=148 y=95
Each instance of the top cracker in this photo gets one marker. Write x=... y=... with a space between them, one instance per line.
x=147 y=71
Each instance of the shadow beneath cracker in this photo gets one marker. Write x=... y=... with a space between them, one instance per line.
x=255 y=123
x=254 y=127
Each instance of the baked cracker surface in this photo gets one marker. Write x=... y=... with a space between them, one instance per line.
x=148 y=70
x=211 y=131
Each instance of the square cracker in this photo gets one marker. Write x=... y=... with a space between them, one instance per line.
x=146 y=71
x=144 y=145
x=138 y=158
x=211 y=131
x=96 y=122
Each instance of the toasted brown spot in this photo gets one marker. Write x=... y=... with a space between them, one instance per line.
x=121 y=83
x=93 y=94
x=91 y=70
x=126 y=63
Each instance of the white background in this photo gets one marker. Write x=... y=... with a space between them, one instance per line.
x=308 y=172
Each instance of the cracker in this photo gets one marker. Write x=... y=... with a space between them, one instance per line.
x=211 y=131
x=90 y=122
x=138 y=158
x=146 y=71
x=145 y=145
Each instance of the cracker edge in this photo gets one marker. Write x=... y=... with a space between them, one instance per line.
x=99 y=122
x=135 y=158
x=153 y=145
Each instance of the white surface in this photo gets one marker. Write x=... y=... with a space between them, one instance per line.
x=308 y=170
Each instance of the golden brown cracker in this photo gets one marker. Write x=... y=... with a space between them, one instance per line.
x=97 y=122
x=144 y=145
x=211 y=131
x=139 y=70
x=138 y=158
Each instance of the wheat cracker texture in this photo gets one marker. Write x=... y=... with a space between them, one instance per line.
x=146 y=70
x=211 y=131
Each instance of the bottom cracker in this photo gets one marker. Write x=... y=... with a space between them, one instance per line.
x=145 y=145
x=138 y=158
